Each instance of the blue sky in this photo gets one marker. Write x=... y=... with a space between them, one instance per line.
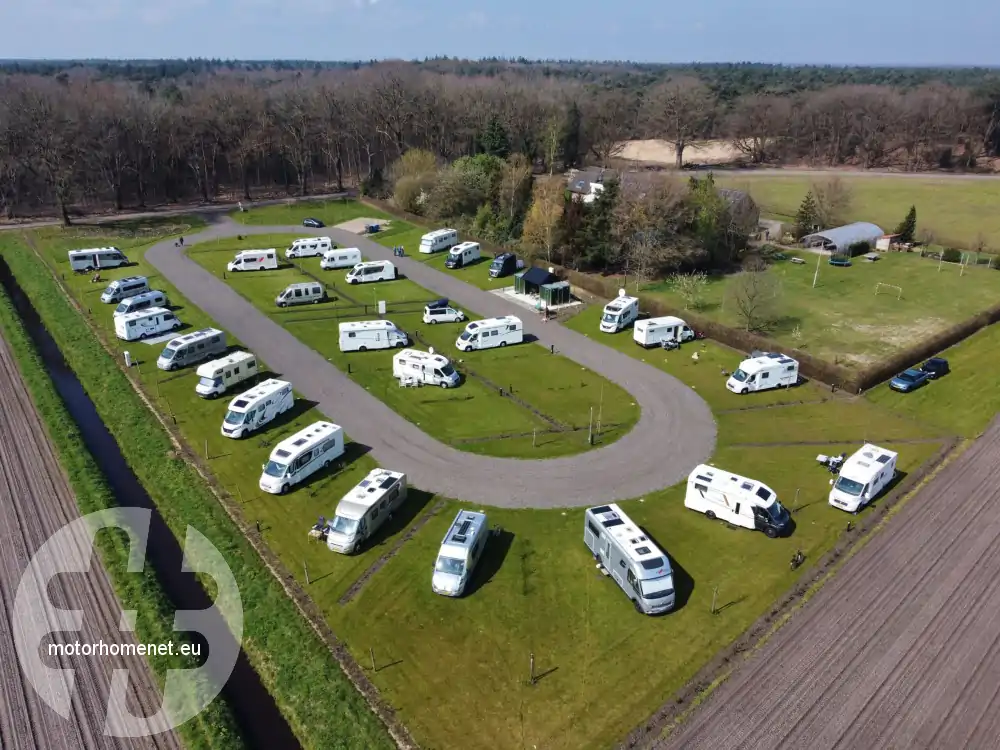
x=874 y=32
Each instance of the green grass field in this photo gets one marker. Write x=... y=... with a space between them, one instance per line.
x=330 y=213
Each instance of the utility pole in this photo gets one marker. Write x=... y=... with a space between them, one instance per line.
x=816 y=275
x=590 y=431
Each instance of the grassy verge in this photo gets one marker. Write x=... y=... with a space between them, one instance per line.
x=330 y=213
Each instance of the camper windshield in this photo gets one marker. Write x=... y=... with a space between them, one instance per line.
x=609 y=318
x=448 y=370
x=496 y=264
x=345 y=526
x=209 y=383
x=657 y=588
x=849 y=486
x=776 y=511
x=465 y=336
x=274 y=469
x=450 y=565
x=121 y=308
x=232 y=417
x=168 y=353
x=110 y=289
x=739 y=375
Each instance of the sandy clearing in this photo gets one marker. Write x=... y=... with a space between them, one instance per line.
x=654 y=151
x=357 y=226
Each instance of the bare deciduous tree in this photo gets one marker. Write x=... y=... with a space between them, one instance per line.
x=833 y=201
x=754 y=295
x=680 y=112
x=691 y=288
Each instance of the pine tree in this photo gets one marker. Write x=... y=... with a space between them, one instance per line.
x=806 y=219
x=494 y=140
x=908 y=228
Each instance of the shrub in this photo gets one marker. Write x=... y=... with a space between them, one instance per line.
x=858 y=248
x=951 y=255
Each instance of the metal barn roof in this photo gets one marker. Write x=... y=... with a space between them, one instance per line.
x=845 y=236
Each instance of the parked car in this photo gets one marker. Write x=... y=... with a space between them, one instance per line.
x=935 y=367
x=313 y=223
x=909 y=380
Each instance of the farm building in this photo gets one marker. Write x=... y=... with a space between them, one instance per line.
x=839 y=239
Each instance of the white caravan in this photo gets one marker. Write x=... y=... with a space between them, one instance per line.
x=120 y=289
x=256 y=407
x=141 y=301
x=254 y=260
x=439 y=239
x=218 y=376
x=440 y=311
x=364 y=509
x=373 y=270
x=655 y=331
x=619 y=313
x=308 y=292
x=362 y=335
x=308 y=246
x=771 y=370
x=624 y=552
x=191 y=347
x=298 y=457
x=144 y=323
x=463 y=254
x=96 y=258
x=736 y=500
x=862 y=477
x=491 y=332
x=461 y=549
x=342 y=257
x=413 y=366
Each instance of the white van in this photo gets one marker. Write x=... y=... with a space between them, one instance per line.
x=144 y=323
x=414 y=366
x=308 y=246
x=463 y=254
x=309 y=292
x=461 y=549
x=191 y=347
x=373 y=270
x=362 y=335
x=771 y=370
x=96 y=258
x=364 y=509
x=141 y=301
x=439 y=239
x=254 y=260
x=300 y=456
x=120 y=289
x=736 y=500
x=440 y=311
x=619 y=313
x=218 y=376
x=343 y=257
x=655 y=331
x=256 y=407
x=862 y=477
x=491 y=332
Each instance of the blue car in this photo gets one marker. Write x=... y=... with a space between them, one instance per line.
x=313 y=223
x=909 y=380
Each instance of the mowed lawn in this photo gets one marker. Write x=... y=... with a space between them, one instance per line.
x=331 y=213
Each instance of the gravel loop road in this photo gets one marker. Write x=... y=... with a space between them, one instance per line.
x=901 y=649
x=35 y=502
x=675 y=432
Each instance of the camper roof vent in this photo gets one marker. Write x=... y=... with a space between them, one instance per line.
x=868 y=454
x=240 y=403
x=300 y=441
x=600 y=509
x=612 y=522
x=883 y=459
x=774 y=355
x=282 y=453
x=643 y=550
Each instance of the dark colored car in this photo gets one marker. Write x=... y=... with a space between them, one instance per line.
x=313 y=223
x=935 y=367
x=909 y=380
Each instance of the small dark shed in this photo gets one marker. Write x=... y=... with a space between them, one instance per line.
x=531 y=281
x=556 y=293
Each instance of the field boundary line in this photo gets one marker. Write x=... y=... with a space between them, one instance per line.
x=821 y=443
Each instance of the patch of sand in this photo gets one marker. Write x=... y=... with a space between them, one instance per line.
x=357 y=226
x=655 y=151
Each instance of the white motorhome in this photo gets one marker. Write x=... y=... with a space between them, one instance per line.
x=862 y=477
x=655 y=331
x=191 y=347
x=254 y=408
x=440 y=311
x=362 y=335
x=305 y=293
x=619 y=313
x=142 y=324
x=308 y=246
x=413 y=366
x=364 y=509
x=491 y=332
x=254 y=260
x=770 y=370
x=218 y=376
x=298 y=457
x=736 y=500
x=624 y=552
x=439 y=239
x=373 y=270
x=96 y=258
x=120 y=289
x=141 y=301
x=342 y=257
x=461 y=549
x=463 y=254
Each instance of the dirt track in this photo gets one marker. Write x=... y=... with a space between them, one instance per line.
x=900 y=650
x=35 y=501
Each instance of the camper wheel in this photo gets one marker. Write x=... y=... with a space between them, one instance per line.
x=710 y=515
x=503 y=343
x=745 y=391
x=771 y=532
x=362 y=348
x=281 y=304
x=638 y=607
x=326 y=465
x=444 y=385
x=399 y=344
x=283 y=490
x=433 y=322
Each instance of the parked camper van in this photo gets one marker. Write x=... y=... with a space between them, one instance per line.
x=504 y=264
x=141 y=301
x=342 y=257
x=254 y=260
x=373 y=270
x=463 y=254
x=96 y=258
x=438 y=240
x=862 y=477
x=771 y=370
x=309 y=292
x=625 y=553
x=440 y=311
x=120 y=289
x=461 y=549
x=413 y=366
x=491 y=332
x=362 y=335
x=655 y=331
x=300 y=456
x=219 y=375
x=619 y=313
x=254 y=408
x=142 y=324
x=308 y=246
x=364 y=509
x=192 y=347
x=736 y=500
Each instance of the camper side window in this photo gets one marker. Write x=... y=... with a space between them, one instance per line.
x=633 y=581
x=350 y=335
x=765 y=375
x=789 y=368
x=511 y=329
x=593 y=529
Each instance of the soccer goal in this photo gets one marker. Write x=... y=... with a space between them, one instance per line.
x=884 y=288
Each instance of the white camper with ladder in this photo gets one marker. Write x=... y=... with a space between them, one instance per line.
x=219 y=375
x=298 y=457
x=736 y=500
x=254 y=408
x=619 y=313
x=461 y=549
x=863 y=477
x=364 y=509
